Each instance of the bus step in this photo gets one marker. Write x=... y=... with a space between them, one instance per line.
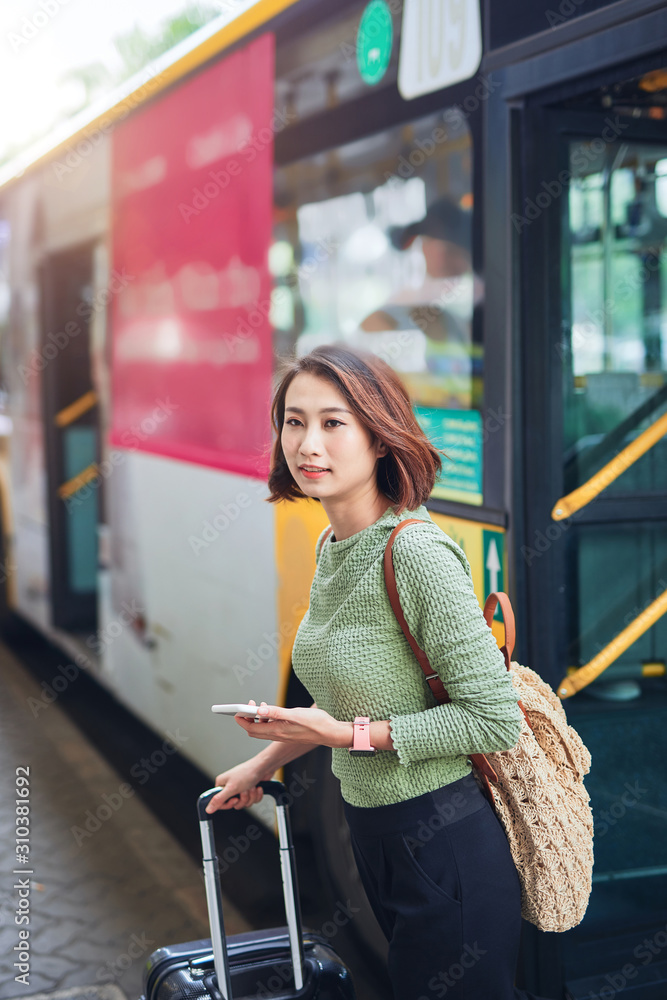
x=644 y=981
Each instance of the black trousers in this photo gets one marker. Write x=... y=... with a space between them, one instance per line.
x=442 y=884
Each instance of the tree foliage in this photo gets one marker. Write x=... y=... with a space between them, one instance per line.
x=136 y=48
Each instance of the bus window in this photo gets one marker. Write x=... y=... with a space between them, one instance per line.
x=615 y=367
x=373 y=248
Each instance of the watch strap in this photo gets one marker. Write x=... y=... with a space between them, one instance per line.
x=361 y=739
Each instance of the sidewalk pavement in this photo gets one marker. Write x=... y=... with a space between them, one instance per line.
x=99 y=902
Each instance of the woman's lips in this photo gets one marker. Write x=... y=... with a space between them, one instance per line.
x=313 y=475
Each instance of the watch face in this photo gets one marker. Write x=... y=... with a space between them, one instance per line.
x=361 y=753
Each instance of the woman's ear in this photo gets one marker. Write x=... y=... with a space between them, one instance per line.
x=382 y=449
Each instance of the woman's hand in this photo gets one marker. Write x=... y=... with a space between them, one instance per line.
x=297 y=725
x=239 y=787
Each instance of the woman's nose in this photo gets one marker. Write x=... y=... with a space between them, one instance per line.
x=310 y=443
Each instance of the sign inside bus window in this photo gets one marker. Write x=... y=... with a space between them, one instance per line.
x=192 y=202
x=441 y=44
x=459 y=434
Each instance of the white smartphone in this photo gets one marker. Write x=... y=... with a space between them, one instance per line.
x=249 y=710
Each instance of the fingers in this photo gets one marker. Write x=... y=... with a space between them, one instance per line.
x=221 y=801
x=264 y=710
x=249 y=798
x=235 y=800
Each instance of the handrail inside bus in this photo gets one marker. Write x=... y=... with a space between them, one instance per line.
x=76 y=409
x=588 y=673
x=73 y=485
x=581 y=464
x=583 y=495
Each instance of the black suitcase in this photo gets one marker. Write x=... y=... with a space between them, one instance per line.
x=281 y=962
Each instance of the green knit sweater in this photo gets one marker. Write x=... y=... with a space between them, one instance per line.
x=353 y=659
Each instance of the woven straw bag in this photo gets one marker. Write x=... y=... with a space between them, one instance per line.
x=536 y=787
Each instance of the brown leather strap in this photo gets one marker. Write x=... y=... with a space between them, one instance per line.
x=484 y=768
x=498 y=597
x=434 y=682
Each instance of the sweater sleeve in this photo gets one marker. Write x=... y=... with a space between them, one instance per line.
x=435 y=586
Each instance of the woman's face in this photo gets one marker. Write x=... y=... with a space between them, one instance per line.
x=321 y=433
x=445 y=259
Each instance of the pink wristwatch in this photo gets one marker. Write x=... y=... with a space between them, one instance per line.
x=361 y=740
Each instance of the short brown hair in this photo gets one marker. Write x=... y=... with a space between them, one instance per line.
x=376 y=395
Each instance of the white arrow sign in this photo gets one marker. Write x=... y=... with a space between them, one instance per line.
x=493 y=566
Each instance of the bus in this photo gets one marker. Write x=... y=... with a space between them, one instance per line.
x=476 y=192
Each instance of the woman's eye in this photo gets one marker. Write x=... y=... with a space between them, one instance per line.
x=291 y=421
x=334 y=421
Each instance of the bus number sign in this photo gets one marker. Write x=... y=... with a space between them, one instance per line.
x=441 y=44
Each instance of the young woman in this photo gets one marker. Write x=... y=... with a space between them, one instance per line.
x=432 y=856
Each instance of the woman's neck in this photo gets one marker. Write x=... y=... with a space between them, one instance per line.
x=347 y=517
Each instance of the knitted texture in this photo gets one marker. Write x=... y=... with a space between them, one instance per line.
x=353 y=658
x=544 y=807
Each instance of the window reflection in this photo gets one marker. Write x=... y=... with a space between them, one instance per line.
x=373 y=247
x=616 y=355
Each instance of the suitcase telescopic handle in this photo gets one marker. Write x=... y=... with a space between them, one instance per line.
x=281 y=796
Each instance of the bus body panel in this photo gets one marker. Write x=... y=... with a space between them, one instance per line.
x=189 y=613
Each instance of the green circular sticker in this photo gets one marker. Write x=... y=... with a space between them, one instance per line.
x=374 y=41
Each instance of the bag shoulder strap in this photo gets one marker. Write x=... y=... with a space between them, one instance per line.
x=434 y=681
x=497 y=597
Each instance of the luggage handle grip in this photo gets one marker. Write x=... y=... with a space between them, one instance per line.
x=275 y=789
x=278 y=791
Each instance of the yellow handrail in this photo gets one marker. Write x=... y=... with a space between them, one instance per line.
x=74 y=485
x=586 y=674
x=611 y=471
x=76 y=409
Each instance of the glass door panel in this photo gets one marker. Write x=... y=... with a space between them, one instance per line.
x=615 y=360
x=614 y=353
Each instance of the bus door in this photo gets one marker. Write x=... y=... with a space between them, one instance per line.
x=592 y=224
x=71 y=439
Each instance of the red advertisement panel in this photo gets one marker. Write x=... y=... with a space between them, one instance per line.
x=192 y=202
